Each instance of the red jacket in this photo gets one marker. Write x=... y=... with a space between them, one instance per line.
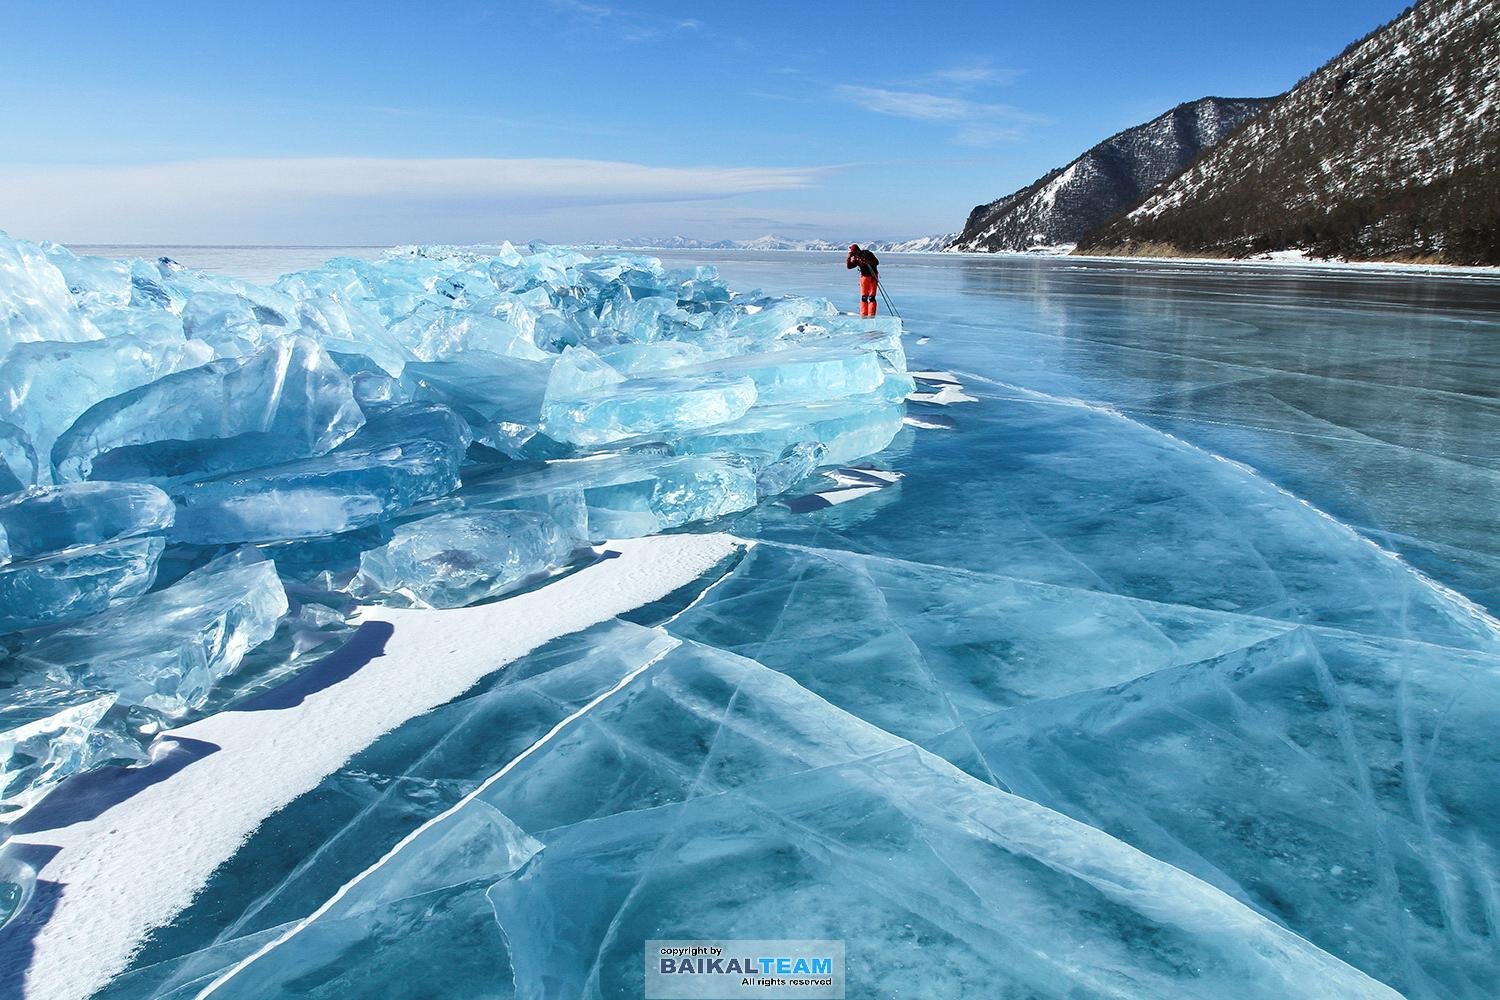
x=868 y=263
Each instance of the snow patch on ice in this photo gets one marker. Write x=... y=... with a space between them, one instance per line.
x=136 y=865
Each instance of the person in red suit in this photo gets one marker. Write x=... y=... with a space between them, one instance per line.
x=869 y=277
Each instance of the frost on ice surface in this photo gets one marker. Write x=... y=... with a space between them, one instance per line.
x=438 y=427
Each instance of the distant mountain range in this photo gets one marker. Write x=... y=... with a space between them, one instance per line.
x=772 y=242
x=1066 y=204
x=1390 y=151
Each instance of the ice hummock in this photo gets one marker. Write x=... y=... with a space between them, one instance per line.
x=437 y=427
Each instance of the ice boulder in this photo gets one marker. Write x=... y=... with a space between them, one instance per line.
x=75 y=583
x=588 y=403
x=374 y=387
x=334 y=307
x=406 y=455
x=795 y=463
x=455 y=559
x=676 y=492
x=290 y=395
x=94 y=282
x=18 y=464
x=775 y=321
x=501 y=398
x=804 y=374
x=165 y=651
x=846 y=430
x=34 y=300
x=46 y=519
x=432 y=332
x=45 y=387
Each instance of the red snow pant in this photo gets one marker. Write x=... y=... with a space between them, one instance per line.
x=867 y=289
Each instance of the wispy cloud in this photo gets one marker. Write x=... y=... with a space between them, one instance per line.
x=983 y=123
x=966 y=77
x=925 y=107
x=165 y=200
x=627 y=25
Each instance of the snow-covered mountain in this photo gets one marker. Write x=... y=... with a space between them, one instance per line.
x=1390 y=151
x=1069 y=202
x=669 y=243
x=922 y=244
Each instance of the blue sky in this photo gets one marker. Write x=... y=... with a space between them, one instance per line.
x=334 y=122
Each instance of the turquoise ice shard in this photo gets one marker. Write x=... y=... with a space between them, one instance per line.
x=652 y=358
x=414 y=421
x=403 y=456
x=95 y=283
x=796 y=462
x=75 y=583
x=44 y=387
x=165 y=651
x=374 y=388
x=46 y=519
x=589 y=403
x=676 y=492
x=34 y=300
x=625 y=495
x=846 y=429
x=290 y=393
x=500 y=397
x=47 y=736
x=455 y=559
x=237 y=320
x=775 y=320
x=333 y=306
x=803 y=374
x=432 y=332
x=18 y=464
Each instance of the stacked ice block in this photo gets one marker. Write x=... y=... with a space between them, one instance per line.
x=191 y=463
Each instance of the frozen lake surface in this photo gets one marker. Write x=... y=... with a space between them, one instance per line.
x=1167 y=667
